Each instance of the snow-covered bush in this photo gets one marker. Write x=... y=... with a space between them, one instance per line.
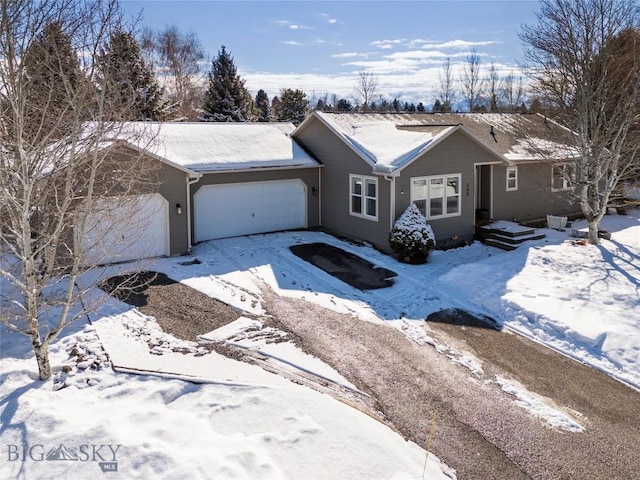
x=411 y=237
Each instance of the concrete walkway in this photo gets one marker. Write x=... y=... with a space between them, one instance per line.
x=480 y=430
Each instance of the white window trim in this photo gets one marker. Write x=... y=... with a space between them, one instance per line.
x=428 y=181
x=515 y=177
x=363 y=197
x=565 y=181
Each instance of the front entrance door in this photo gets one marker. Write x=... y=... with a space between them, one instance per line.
x=483 y=191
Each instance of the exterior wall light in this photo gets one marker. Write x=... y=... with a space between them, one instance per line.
x=178 y=209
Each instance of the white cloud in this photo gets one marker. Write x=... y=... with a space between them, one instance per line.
x=329 y=18
x=291 y=25
x=457 y=44
x=292 y=42
x=351 y=55
x=386 y=44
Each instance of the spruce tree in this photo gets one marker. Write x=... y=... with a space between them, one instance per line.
x=292 y=107
x=131 y=85
x=55 y=84
x=263 y=106
x=227 y=99
x=344 y=105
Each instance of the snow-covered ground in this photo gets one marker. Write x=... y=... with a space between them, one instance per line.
x=234 y=420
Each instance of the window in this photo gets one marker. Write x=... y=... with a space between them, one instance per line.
x=437 y=197
x=561 y=176
x=364 y=197
x=512 y=179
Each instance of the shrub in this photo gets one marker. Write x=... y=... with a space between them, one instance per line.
x=411 y=237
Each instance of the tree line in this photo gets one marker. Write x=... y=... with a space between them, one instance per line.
x=161 y=72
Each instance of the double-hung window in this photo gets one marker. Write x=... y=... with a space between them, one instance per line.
x=561 y=175
x=363 y=197
x=437 y=196
x=512 y=179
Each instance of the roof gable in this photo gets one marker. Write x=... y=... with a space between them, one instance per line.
x=390 y=142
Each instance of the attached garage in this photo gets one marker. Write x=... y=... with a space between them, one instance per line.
x=130 y=228
x=230 y=210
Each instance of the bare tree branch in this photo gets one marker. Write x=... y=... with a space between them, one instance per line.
x=584 y=57
x=61 y=150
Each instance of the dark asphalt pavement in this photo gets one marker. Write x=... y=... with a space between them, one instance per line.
x=480 y=430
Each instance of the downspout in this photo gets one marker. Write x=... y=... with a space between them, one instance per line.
x=190 y=181
x=319 y=197
x=392 y=199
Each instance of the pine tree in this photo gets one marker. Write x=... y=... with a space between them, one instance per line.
x=55 y=83
x=292 y=106
x=344 y=105
x=133 y=88
x=263 y=106
x=227 y=99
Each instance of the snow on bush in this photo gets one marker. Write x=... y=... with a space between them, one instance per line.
x=411 y=237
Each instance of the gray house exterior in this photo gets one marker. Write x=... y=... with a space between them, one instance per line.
x=245 y=178
x=457 y=168
x=355 y=174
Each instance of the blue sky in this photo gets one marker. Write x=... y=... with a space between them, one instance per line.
x=320 y=46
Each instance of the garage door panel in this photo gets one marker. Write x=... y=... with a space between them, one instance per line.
x=248 y=208
x=126 y=229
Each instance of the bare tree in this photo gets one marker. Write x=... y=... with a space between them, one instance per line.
x=493 y=87
x=584 y=56
x=471 y=82
x=55 y=164
x=512 y=92
x=366 y=86
x=179 y=57
x=447 y=86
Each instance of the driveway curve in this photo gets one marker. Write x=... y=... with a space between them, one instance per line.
x=480 y=430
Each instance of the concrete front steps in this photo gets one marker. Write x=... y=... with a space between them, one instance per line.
x=506 y=235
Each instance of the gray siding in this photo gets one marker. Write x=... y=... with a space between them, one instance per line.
x=534 y=198
x=340 y=161
x=456 y=154
x=173 y=187
x=309 y=176
x=171 y=183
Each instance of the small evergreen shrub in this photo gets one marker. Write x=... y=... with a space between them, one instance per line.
x=411 y=237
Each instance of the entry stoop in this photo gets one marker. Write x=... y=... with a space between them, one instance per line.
x=506 y=235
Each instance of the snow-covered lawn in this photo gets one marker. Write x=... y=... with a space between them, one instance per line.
x=239 y=421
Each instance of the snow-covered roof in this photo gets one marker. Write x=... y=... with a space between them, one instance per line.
x=391 y=141
x=377 y=138
x=216 y=147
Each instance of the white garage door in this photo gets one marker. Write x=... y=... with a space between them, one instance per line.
x=130 y=228
x=232 y=210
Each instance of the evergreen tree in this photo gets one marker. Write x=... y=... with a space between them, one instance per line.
x=437 y=106
x=131 y=83
x=396 y=105
x=344 y=105
x=55 y=84
x=321 y=106
x=227 y=99
x=263 y=106
x=292 y=106
x=420 y=107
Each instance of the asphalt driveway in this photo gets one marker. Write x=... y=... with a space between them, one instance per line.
x=480 y=430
